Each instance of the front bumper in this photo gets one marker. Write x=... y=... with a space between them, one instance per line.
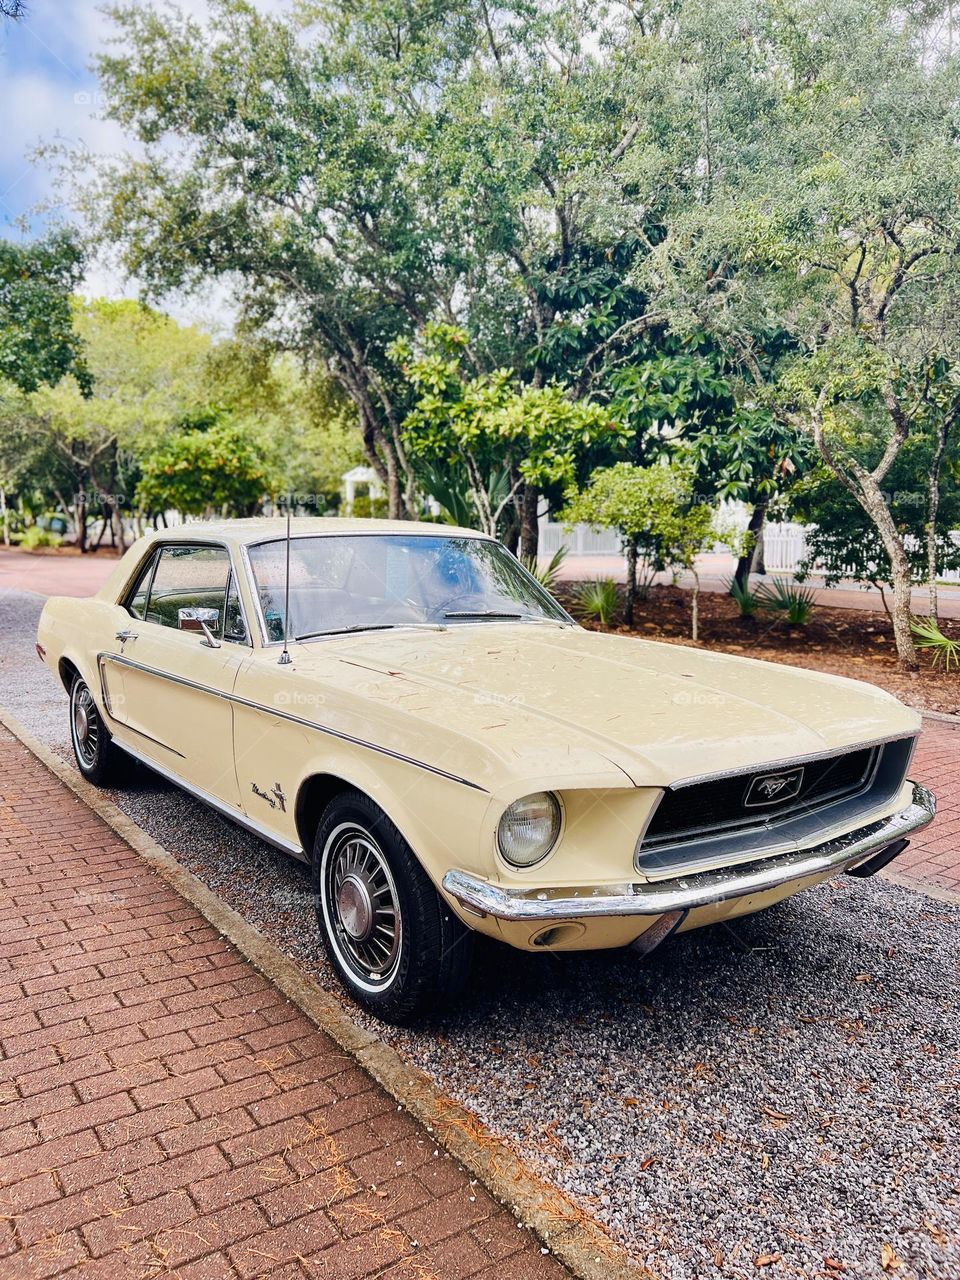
x=706 y=888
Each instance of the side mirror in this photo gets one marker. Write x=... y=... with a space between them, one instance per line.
x=200 y=620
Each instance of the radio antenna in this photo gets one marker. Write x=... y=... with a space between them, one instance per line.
x=285 y=656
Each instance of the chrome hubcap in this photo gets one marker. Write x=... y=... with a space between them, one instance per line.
x=355 y=908
x=360 y=906
x=86 y=725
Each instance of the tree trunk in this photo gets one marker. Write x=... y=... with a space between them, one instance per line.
x=695 y=607
x=747 y=563
x=933 y=507
x=529 y=524
x=80 y=521
x=631 y=597
x=873 y=503
x=6 y=517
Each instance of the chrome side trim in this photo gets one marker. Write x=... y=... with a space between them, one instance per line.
x=704 y=889
x=286 y=715
x=227 y=810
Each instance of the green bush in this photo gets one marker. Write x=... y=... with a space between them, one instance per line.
x=784 y=597
x=35 y=537
x=364 y=507
x=597 y=600
x=944 y=650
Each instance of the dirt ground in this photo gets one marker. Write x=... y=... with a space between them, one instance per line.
x=846 y=642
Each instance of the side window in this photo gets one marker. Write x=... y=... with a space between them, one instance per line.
x=137 y=600
x=188 y=579
x=234 y=627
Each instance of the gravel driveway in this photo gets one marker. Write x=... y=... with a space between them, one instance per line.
x=779 y=1099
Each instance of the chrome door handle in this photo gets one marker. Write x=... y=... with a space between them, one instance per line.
x=124 y=636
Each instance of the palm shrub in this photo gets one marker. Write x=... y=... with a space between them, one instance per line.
x=597 y=600
x=944 y=650
x=788 y=598
x=549 y=575
x=747 y=600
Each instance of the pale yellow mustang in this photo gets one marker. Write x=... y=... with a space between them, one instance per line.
x=404 y=707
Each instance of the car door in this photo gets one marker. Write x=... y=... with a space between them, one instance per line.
x=178 y=661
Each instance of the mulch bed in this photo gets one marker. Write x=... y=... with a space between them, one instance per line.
x=846 y=642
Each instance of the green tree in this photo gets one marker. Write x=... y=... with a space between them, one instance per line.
x=658 y=515
x=219 y=469
x=843 y=542
x=147 y=372
x=370 y=168
x=490 y=426
x=38 y=342
x=821 y=199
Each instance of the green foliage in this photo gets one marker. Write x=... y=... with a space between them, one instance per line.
x=549 y=575
x=796 y=603
x=34 y=537
x=38 y=342
x=219 y=470
x=486 y=424
x=944 y=650
x=843 y=542
x=364 y=507
x=654 y=507
x=597 y=600
x=747 y=600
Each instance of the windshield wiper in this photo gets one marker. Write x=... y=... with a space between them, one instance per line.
x=484 y=613
x=342 y=631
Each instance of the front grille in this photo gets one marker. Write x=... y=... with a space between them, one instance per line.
x=720 y=804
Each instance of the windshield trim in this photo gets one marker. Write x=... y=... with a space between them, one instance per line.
x=266 y=643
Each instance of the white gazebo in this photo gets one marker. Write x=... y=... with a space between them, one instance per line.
x=360 y=477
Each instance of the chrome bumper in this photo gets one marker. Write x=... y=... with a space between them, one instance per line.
x=703 y=889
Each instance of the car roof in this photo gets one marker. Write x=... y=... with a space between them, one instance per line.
x=266 y=528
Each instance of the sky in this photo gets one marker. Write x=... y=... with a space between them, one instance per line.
x=49 y=93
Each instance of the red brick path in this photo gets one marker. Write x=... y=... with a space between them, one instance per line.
x=167 y=1111
x=934 y=855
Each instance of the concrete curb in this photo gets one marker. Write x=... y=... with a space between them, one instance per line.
x=573 y=1238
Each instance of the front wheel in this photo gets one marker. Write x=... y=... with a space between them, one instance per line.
x=98 y=759
x=395 y=944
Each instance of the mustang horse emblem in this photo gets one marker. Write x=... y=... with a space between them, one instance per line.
x=770 y=787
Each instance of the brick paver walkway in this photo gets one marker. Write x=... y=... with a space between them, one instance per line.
x=933 y=857
x=165 y=1110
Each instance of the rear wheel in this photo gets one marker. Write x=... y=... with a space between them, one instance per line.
x=395 y=944
x=98 y=759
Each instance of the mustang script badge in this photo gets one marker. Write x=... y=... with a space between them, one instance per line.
x=771 y=788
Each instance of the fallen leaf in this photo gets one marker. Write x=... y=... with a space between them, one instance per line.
x=834 y=1264
x=863 y=977
x=766 y=1259
x=631 y=1102
x=888 y=1258
x=773 y=1113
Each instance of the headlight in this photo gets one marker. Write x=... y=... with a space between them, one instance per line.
x=529 y=828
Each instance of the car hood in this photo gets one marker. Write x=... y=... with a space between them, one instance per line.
x=661 y=713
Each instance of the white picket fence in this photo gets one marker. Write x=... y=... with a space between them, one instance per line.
x=784 y=544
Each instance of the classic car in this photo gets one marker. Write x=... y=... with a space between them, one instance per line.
x=405 y=708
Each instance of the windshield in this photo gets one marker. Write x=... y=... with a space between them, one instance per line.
x=345 y=583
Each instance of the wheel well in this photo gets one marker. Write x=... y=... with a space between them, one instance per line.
x=312 y=798
x=67 y=672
